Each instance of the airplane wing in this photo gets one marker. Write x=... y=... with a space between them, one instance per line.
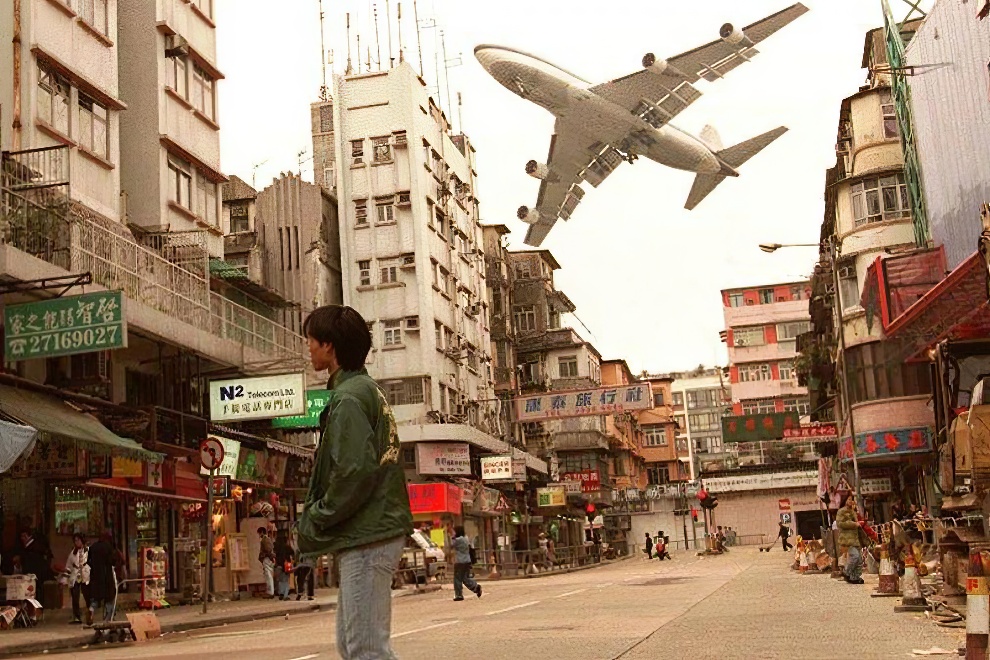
x=573 y=157
x=664 y=88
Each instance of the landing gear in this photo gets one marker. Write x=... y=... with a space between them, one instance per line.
x=630 y=158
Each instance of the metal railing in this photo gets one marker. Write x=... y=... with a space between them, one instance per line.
x=34 y=169
x=119 y=262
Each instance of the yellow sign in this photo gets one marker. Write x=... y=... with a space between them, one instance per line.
x=977 y=586
x=436 y=535
x=127 y=468
x=552 y=496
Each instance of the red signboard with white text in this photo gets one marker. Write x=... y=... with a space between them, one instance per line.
x=434 y=498
x=590 y=480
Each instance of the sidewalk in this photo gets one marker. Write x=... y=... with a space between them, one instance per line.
x=56 y=634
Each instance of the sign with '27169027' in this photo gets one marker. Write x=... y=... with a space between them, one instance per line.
x=65 y=326
x=263 y=397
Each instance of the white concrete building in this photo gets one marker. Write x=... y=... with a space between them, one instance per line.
x=700 y=399
x=170 y=138
x=412 y=250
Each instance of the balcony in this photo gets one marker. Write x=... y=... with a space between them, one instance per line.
x=38 y=222
x=579 y=440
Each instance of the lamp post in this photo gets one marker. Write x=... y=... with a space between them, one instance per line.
x=833 y=257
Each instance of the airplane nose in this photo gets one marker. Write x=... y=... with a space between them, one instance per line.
x=485 y=55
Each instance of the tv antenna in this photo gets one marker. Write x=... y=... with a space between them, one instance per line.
x=254 y=172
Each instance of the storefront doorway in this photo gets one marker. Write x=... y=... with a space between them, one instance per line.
x=809 y=524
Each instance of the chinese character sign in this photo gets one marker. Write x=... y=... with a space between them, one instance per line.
x=263 y=397
x=65 y=326
x=759 y=426
x=443 y=458
x=590 y=480
x=496 y=467
x=316 y=401
x=552 y=496
x=582 y=403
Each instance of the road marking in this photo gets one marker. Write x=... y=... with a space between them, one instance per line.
x=514 y=607
x=307 y=657
x=417 y=630
x=570 y=593
x=607 y=584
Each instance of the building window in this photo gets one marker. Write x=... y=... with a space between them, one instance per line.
x=524 y=317
x=678 y=398
x=848 y=287
x=568 y=366
x=654 y=436
x=877 y=371
x=758 y=406
x=786 y=370
x=754 y=372
x=438 y=327
x=94 y=12
x=889 y=113
x=679 y=420
x=736 y=300
x=385 y=213
x=523 y=270
x=53 y=99
x=389 y=270
x=496 y=302
x=658 y=398
x=205 y=6
x=93 y=134
x=407 y=391
x=239 y=218
x=364 y=272
x=381 y=149
x=361 y=213
x=442 y=226
x=203 y=92
x=800 y=406
x=749 y=336
x=393 y=333
x=788 y=332
x=766 y=296
x=798 y=293
x=704 y=422
x=206 y=200
x=357 y=150
x=448 y=339
x=502 y=354
x=176 y=72
x=875 y=200
x=179 y=182
x=658 y=476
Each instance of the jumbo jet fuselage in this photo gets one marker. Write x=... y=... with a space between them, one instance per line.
x=569 y=98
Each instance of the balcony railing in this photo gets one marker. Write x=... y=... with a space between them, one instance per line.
x=119 y=262
x=35 y=169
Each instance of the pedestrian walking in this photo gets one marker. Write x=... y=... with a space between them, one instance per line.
x=77 y=573
x=284 y=557
x=649 y=546
x=782 y=534
x=357 y=507
x=103 y=558
x=462 y=566
x=267 y=558
x=849 y=542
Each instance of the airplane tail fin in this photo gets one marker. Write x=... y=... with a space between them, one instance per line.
x=730 y=158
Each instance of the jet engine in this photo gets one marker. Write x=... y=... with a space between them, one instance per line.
x=660 y=67
x=527 y=215
x=537 y=170
x=734 y=36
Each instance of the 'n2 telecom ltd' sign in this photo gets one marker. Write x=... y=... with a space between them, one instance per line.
x=264 y=397
x=581 y=403
x=65 y=326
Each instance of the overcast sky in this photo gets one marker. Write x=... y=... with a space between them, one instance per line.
x=644 y=273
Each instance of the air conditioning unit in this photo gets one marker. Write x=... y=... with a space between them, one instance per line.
x=357 y=160
x=473 y=310
x=739 y=342
x=177 y=46
x=399 y=139
x=404 y=199
x=408 y=260
x=412 y=323
x=847 y=272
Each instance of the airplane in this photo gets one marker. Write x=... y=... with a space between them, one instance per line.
x=600 y=126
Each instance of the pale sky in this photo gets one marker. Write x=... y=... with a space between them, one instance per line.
x=644 y=273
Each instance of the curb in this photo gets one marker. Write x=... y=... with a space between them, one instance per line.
x=560 y=572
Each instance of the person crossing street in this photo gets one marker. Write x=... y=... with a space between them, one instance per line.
x=462 y=566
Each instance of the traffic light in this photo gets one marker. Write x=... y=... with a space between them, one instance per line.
x=706 y=500
x=590 y=511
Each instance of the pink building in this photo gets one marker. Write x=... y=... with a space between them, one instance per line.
x=762 y=324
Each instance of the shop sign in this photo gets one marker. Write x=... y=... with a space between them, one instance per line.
x=251 y=467
x=572 y=487
x=632 y=494
x=875 y=486
x=490 y=499
x=298 y=470
x=764 y=481
x=886 y=443
x=812 y=432
x=275 y=468
x=654 y=492
x=496 y=467
x=98 y=466
x=65 y=326
x=316 y=401
x=155 y=475
x=784 y=504
x=263 y=397
x=552 y=496
x=759 y=426
x=221 y=487
x=127 y=468
x=581 y=403
x=443 y=458
x=590 y=480
x=231 y=456
x=50 y=458
x=434 y=498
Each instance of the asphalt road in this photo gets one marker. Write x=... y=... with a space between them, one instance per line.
x=740 y=605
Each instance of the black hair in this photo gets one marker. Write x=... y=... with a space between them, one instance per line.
x=845 y=498
x=345 y=329
x=262 y=530
x=79 y=536
x=459 y=530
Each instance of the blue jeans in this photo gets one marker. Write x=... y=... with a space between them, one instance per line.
x=364 y=603
x=854 y=563
x=283 y=582
x=462 y=578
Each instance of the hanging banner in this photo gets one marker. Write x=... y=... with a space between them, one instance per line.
x=263 y=397
x=581 y=403
x=763 y=481
x=65 y=326
x=812 y=432
x=759 y=426
x=885 y=443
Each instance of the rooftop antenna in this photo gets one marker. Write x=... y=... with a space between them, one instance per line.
x=323 y=57
x=388 y=24
x=300 y=160
x=359 y=51
x=368 y=63
x=460 y=112
x=419 y=42
x=254 y=172
x=349 y=69
x=447 y=65
x=399 y=24
x=378 y=46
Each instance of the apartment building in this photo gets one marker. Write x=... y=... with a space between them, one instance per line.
x=412 y=254
x=700 y=399
x=661 y=449
x=170 y=138
x=498 y=280
x=626 y=434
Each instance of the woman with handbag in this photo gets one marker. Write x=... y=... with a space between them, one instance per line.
x=284 y=558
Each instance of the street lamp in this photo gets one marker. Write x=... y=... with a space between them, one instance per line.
x=833 y=258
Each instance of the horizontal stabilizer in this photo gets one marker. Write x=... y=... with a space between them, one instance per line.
x=730 y=158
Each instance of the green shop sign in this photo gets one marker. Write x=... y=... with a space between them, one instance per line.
x=65 y=326
x=316 y=401
x=759 y=426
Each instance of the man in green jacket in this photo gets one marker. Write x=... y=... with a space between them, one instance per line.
x=849 y=525
x=357 y=506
